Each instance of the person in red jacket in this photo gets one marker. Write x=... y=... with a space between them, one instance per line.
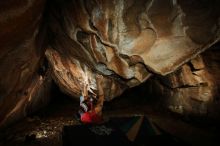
x=91 y=105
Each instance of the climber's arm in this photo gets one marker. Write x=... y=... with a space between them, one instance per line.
x=85 y=91
x=100 y=101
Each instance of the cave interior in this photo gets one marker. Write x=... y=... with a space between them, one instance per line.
x=159 y=61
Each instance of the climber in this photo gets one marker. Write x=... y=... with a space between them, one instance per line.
x=90 y=110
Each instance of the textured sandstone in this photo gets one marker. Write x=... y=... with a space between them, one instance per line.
x=21 y=53
x=35 y=96
x=72 y=81
x=128 y=39
x=192 y=89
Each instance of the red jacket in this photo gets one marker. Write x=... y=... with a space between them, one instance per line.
x=91 y=117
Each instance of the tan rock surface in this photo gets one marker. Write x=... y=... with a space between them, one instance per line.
x=128 y=39
x=192 y=89
x=22 y=39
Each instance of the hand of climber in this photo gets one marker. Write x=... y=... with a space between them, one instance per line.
x=99 y=78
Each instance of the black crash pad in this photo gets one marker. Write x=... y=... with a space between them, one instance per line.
x=93 y=135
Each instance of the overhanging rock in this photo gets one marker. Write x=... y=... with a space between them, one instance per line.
x=129 y=40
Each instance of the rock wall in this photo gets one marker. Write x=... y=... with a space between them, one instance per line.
x=23 y=86
x=191 y=90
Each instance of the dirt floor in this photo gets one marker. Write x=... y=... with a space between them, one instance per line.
x=44 y=128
